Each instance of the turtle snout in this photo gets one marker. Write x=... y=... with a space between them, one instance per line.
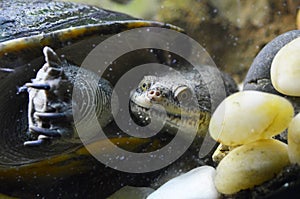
x=154 y=95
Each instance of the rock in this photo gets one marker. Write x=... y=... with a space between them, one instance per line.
x=129 y=192
x=285 y=69
x=294 y=140
x=258 y=76
x=197 y=183
x=249 y=116
x=251 y=164
x=284 y=185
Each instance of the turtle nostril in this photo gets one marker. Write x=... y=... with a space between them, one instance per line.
x=154 y=95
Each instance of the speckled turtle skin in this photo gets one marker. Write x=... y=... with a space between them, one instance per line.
x=258 y=77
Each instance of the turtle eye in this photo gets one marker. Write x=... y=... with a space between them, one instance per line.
x=144 y=86
x=183 y=93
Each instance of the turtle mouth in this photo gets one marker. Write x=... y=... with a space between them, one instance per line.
x=139 y=113
x=143 y=115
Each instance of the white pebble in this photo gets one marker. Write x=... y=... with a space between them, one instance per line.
x=248 y=116
x=285 y=69
x=250 y=164
x=294 y=140
x=195 y=184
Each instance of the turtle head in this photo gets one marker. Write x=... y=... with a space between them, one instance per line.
x=167 y=95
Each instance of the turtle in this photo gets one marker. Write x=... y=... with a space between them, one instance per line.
x=72 y=30
x=44 y=41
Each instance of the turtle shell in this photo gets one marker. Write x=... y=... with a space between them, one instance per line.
x=72 y=30
x=22 y=18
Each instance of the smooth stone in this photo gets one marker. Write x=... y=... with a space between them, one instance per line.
x=248 y=116
x=251 y=164
x=195 y=184
x=294 y=140
x=129 y=192
x=285 y=69
x=258 y=76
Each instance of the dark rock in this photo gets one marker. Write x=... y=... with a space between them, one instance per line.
x=258 y=76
